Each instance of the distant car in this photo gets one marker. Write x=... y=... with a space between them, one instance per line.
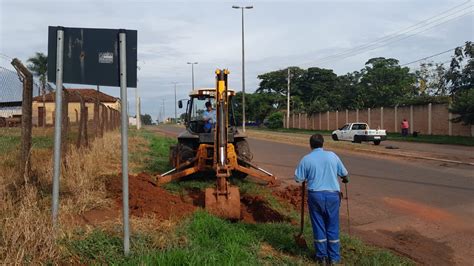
x=358 y=132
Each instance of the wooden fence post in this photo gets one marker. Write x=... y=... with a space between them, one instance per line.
x=26 y=117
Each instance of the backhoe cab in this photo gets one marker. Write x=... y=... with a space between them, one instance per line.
x=219 y=150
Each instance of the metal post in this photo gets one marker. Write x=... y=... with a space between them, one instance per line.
x=243 y=74
x=124 y=135
x=192 y=74
x=175 y=103
x=288 y=101
x=57 y=124
x=164 y=114
x=137 y=109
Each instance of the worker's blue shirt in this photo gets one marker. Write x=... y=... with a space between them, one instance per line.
x=320 y=169
x=210 y=116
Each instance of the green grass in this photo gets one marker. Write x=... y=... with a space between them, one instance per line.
x=10 y=142
x=456 y=140
x=213 y=241
x=156 y=160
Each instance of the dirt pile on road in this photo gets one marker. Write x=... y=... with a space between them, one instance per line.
x=148 y=199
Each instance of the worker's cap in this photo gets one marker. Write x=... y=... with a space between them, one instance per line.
x=208 y=104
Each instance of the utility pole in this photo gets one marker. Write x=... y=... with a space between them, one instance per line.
x=175 y=103
x=137 y=103
x=192 y=72
x=243 y=64
x=288 y=101
x=164 y=114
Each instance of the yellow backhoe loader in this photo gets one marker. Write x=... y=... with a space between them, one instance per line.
x=219 y=150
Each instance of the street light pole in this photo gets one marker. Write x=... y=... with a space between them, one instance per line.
x=243 y=63
x=192 y=71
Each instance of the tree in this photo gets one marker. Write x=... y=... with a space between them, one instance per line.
x=146 y=119
x=39 y=66
x=461 y=83
x=385 y=83
x=431 y=79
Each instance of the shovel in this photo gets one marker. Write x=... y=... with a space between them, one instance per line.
x=299 y=238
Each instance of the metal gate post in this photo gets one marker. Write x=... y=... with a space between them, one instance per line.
x=124 y=137
x=57 y=124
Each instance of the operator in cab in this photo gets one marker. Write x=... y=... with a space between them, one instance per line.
x=209 y=117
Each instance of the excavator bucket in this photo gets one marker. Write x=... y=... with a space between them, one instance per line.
x=225 y=205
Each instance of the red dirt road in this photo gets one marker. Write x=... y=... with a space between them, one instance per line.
x=422 y=209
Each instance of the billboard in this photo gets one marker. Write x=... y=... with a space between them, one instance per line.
x=91 y=56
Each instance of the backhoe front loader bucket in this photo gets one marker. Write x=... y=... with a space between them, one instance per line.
x=221 y=204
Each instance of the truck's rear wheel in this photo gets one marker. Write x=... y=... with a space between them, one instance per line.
x=334 y=137
x=376 y=142
x=357 y=139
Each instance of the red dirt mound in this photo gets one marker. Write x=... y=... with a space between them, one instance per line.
x=255 y=209
x=291 y=194
x=146 y=198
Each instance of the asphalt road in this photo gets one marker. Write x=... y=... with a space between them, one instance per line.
x=423 y=209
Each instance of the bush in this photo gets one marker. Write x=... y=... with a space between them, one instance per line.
x=275 y=121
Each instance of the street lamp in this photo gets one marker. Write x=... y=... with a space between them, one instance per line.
x=192 y=71
x=243 y=64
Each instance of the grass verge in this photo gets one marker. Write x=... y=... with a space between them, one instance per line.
x=454 y=140
x=211 y=240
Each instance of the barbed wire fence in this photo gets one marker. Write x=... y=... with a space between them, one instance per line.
x=19 y=108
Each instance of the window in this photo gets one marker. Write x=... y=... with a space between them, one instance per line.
x=359 y=127
x=199 y=106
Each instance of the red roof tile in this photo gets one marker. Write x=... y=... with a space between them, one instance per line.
x=89 y=95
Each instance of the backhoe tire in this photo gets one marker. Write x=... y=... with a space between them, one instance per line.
x=376 y=142
x=334 y=137
x=185 y=153
x=242 y=149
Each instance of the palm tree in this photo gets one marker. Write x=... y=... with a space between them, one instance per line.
x=39 y=66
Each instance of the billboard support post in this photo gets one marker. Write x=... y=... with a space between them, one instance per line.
x=57 y=124
x=124 y=137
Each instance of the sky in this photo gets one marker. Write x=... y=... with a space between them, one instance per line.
x=277 y=34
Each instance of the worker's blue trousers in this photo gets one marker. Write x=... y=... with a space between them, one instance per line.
x=324 y=213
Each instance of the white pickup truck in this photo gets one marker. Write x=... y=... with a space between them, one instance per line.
x=358 y=132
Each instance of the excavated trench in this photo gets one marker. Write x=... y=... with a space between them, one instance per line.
x=145 y=198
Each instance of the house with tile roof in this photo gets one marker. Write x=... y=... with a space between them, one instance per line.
x=44 y=107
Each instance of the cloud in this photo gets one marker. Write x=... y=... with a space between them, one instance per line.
x=277 y=34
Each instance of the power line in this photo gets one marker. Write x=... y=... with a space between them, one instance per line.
x=399 y=33
x=397 y=39
x=428 y=57
x=398 y=36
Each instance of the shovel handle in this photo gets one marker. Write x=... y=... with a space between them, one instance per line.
x=303 y=190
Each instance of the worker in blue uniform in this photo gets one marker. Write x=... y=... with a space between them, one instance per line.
x=209 y=117
x=320 y=169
